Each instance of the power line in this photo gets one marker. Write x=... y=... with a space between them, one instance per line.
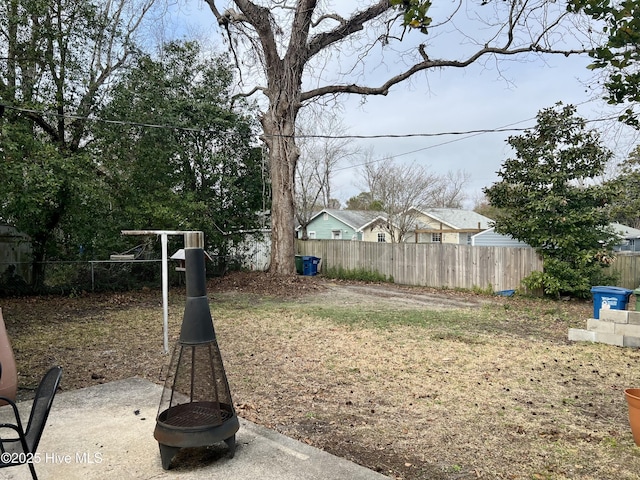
x=104 y=120
x=471 y=134
x=414 y=135
x=466 y=133
x=205 y=130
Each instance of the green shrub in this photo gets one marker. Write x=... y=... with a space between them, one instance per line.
x=361 y=274
x=566 y=278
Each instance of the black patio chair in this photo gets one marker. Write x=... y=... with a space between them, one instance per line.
x=22 y=449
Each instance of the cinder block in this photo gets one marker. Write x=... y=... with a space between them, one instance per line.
x=601 y=326
x=610 y=339
x=616 y=316
x=580 y=335
x=627 y=330
x=631 y=341
x=634 y=318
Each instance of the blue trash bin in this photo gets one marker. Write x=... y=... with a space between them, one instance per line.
x=613 y=298
x=315 y=261
x=310 y=265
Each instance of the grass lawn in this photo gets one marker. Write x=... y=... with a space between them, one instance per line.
x=487 y=389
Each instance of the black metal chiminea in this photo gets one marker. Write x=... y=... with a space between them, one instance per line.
x=196 y=409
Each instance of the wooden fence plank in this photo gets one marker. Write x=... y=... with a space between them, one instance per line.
x=432 y=265
x=449 y=265
x=627 y=266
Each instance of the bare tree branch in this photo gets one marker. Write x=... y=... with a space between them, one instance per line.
x=399 y=187
x=346 y=28
x=428 y=64
x=247 y=94
x=329 y=16
x=279 y=35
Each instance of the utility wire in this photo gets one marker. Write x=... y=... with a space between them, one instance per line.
x=467 y=133
x=473 y=133
x=470 y=134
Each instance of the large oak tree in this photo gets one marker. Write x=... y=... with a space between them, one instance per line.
x=619 y=55
x=290 y=44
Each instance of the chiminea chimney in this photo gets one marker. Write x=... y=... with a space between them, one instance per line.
x=196 y=409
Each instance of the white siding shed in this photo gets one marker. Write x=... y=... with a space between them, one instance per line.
x=489 y=238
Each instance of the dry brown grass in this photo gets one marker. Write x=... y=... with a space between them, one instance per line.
x=415 y=383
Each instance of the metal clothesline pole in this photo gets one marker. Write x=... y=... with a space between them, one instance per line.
x=165 y=293
x=165 y=274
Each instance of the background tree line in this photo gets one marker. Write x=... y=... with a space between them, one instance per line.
x=86 y=98
x=386 y=185
x=97 y=135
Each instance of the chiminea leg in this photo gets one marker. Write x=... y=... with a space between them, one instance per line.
x=231 y=443
x=166 y=454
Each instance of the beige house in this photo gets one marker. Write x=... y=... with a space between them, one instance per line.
x=431 y=225
x=376 y=230
x=446 y=225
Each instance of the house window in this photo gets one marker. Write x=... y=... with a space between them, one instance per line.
x=382 y=237
x=325 y=217
x=312 y=235
x=336 y=234
x=436 y=238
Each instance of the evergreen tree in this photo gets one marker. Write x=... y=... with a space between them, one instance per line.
x=546 y=198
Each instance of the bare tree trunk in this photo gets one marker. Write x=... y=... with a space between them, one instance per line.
x=284 y=50
x=283 y=156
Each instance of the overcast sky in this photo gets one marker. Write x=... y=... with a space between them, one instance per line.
x=470 y=100
x=453 y=100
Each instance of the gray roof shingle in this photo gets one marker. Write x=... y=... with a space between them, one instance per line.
x=356 y=219
x=458 y=219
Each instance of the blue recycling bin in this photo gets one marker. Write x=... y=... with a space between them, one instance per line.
x=310 y=265
x=613 y=298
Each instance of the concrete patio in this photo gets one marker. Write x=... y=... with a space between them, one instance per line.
x=106 y=431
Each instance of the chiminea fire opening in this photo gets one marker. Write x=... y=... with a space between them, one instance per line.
x=196 y=408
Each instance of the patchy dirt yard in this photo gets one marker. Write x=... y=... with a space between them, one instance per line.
x=344 y=293
x=415 y=383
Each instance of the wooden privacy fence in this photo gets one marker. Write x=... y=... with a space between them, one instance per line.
x=428 y=264
x=627 y=266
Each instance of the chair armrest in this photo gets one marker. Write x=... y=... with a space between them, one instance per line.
x=10 y=444
x=10 y=426
x=16 y=414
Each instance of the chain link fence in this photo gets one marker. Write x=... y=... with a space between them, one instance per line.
x=102 y=275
